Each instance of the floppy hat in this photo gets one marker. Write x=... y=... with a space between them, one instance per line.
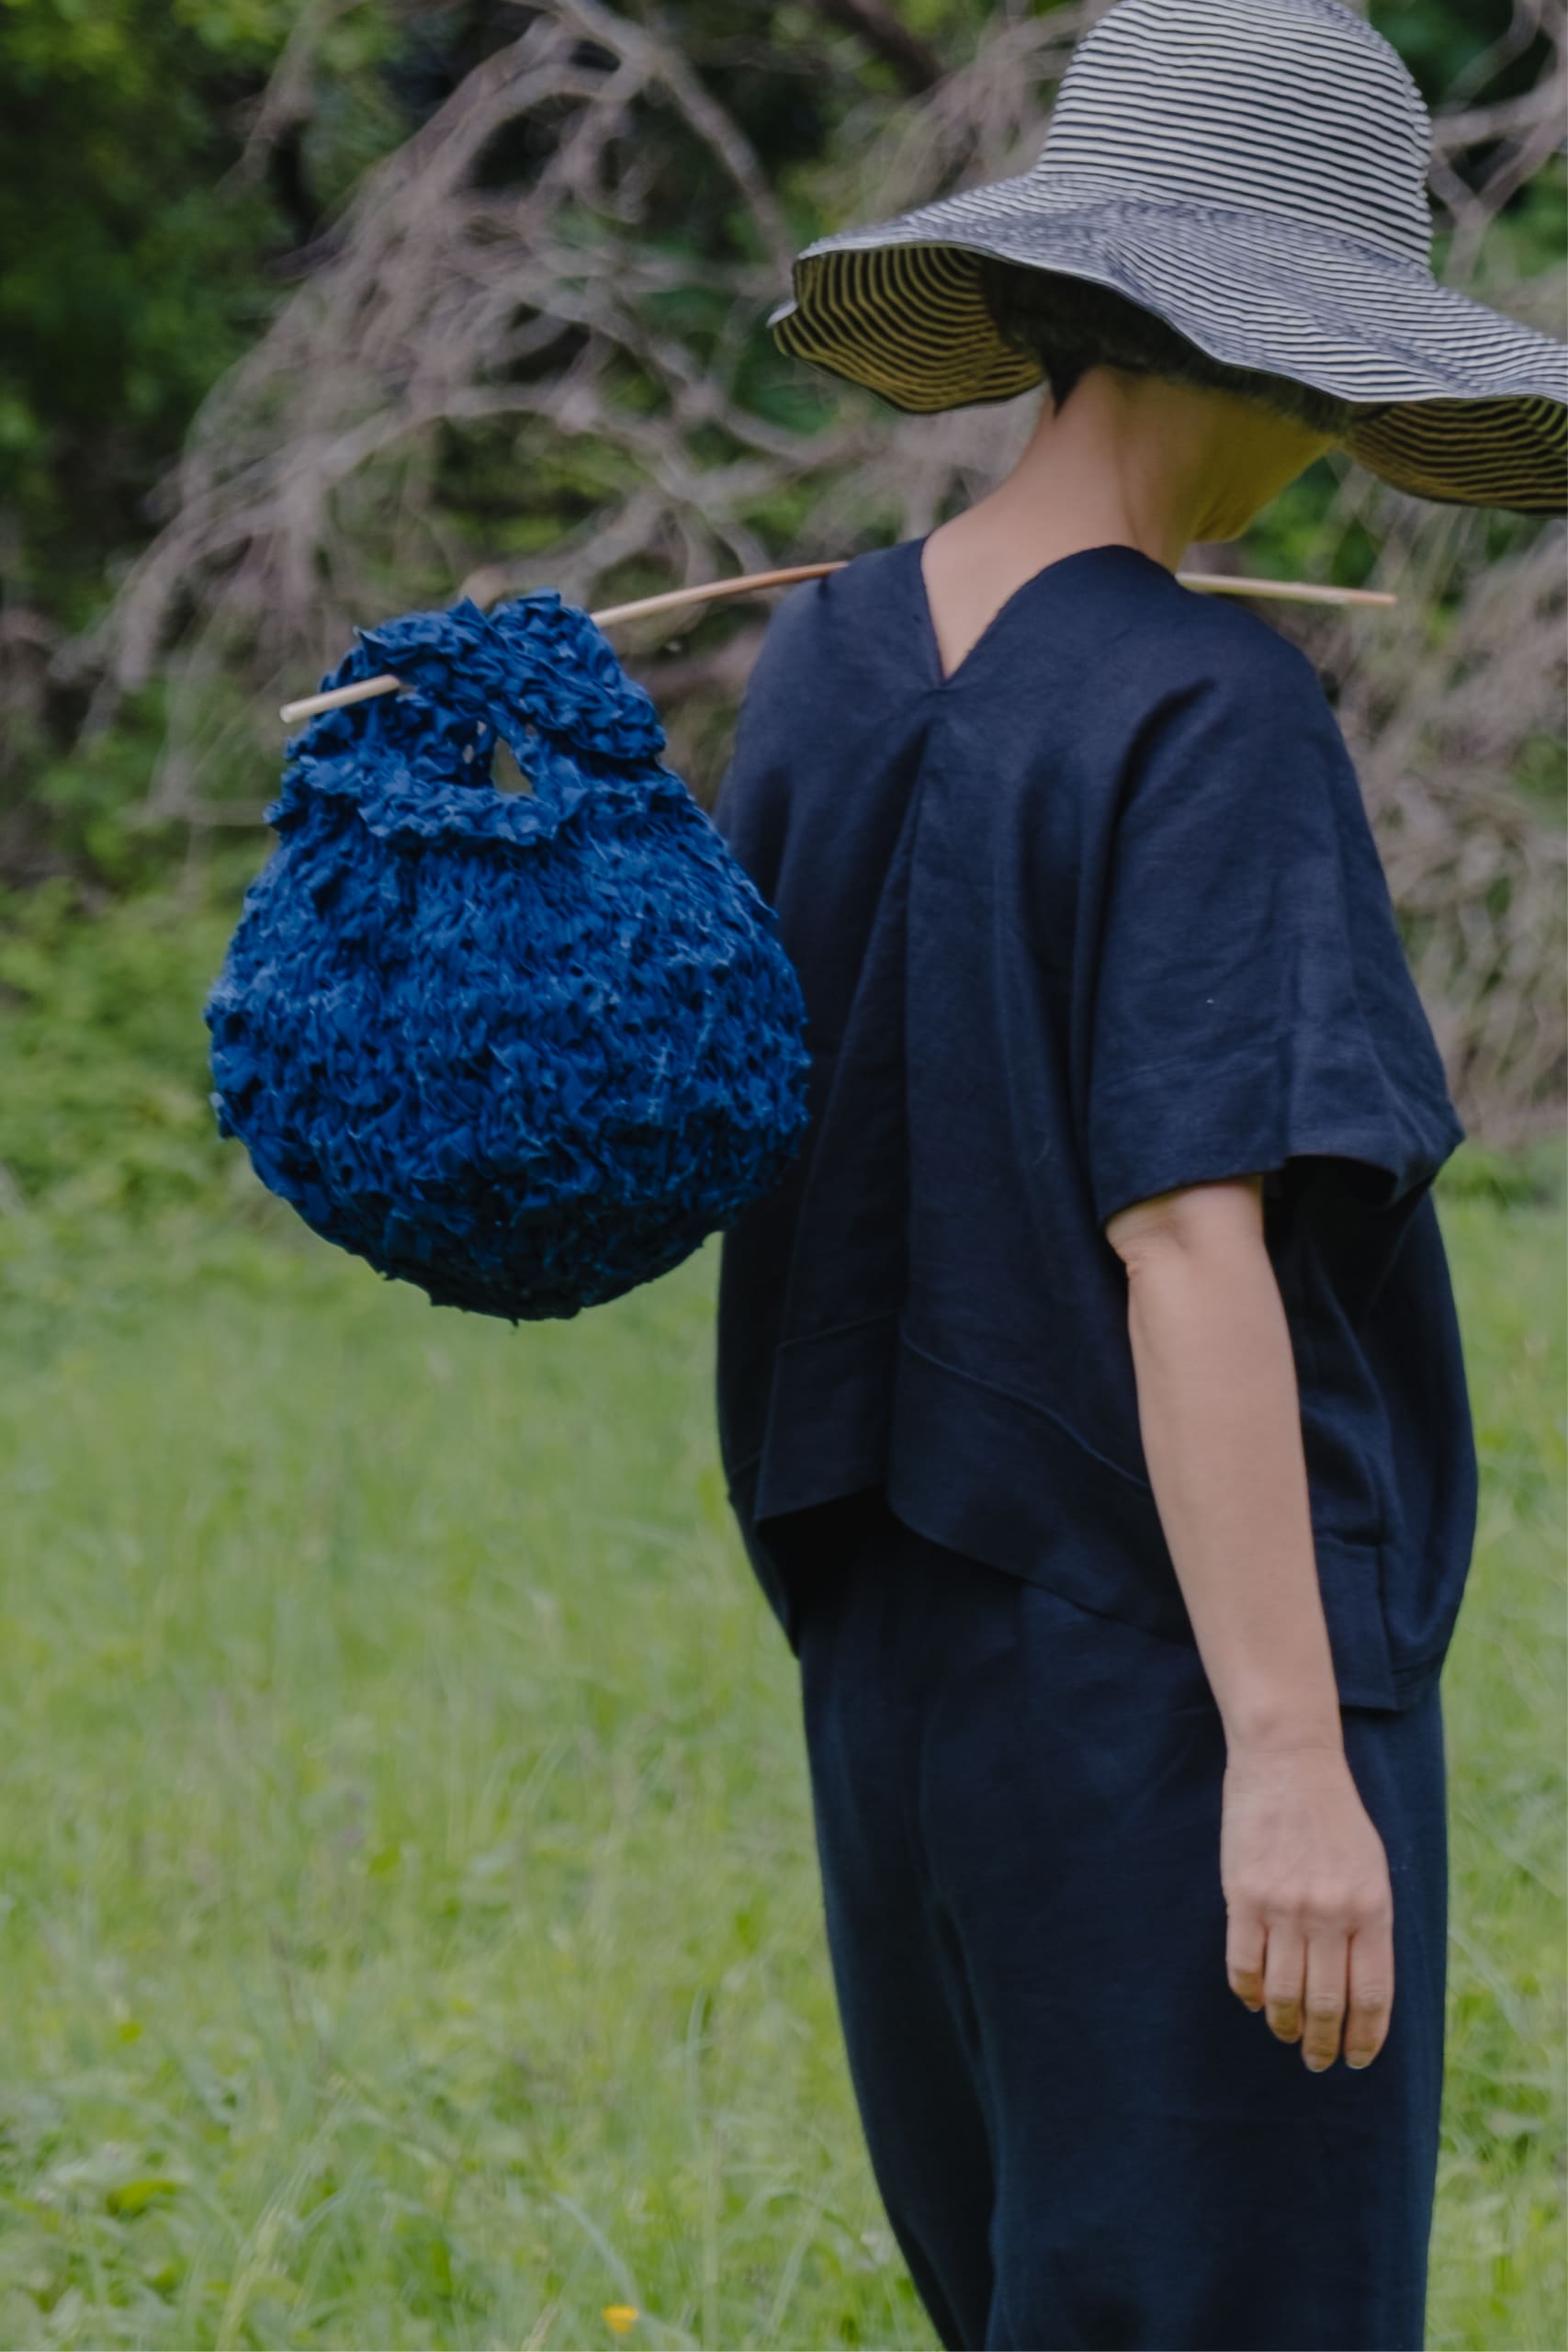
x=1254 y=172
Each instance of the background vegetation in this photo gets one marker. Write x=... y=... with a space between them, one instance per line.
x=316 y=310
x=407 y=1920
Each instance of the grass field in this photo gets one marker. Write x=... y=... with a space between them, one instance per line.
x=408 y=1916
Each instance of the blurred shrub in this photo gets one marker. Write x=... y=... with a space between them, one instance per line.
x=138 y=244
x=104 y=1106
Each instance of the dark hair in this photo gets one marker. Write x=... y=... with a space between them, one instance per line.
x=1071 y=324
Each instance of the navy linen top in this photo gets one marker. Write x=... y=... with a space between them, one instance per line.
x=1098 y=915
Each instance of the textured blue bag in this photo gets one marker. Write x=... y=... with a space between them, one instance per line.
x=523 y=1048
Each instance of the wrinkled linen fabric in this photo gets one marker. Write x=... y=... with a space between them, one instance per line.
x=526 y=1049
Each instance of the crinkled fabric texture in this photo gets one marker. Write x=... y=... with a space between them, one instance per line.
x=524 y=1048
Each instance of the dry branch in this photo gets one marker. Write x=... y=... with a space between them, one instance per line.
x=532 y=320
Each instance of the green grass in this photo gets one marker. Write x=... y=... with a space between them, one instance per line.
x=408 y=1927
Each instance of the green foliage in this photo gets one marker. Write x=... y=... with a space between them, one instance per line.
x=1533 y=1176
x=137 y=252
x=104 y=1103
x=93 y=795
x=1443 y=44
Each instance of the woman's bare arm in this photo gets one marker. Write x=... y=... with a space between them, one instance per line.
x=1221 y=1420
x=1305 y=1875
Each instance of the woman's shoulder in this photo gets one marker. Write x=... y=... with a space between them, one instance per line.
x=1215 y=636
x=809 y=619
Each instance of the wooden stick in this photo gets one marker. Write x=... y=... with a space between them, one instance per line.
x=1304 y=592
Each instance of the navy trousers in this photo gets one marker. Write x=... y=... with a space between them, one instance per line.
x=1080 y=2135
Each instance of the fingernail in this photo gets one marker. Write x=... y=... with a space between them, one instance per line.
x=1358 y=2063
x=1316 y=2065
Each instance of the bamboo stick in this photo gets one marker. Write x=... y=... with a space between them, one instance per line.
x=1304 y=592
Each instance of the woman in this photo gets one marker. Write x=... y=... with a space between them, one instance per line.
x=1091 y=1396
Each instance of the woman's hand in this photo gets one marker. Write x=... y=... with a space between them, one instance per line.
x=1310 y=1937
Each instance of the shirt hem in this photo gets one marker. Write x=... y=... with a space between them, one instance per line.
x=991 y=1474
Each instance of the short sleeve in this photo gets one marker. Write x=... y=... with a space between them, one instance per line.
x=1251 y=1002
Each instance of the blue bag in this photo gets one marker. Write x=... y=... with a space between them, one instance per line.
x=523 y=1048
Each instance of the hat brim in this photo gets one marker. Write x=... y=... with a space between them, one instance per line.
x=1472 y=407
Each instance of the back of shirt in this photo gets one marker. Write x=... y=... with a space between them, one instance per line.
x=1097 y=916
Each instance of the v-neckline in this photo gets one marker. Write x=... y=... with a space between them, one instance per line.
x=942 y=680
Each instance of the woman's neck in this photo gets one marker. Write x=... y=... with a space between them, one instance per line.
x=1140 y=460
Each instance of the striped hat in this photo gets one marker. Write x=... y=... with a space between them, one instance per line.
x=1254 y=172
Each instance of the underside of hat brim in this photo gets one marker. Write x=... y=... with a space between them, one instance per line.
x=1472 y=408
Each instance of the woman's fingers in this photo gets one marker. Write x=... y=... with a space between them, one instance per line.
x=1317 y=1986
x=1245 y=1941
x=1372 y=1992
x=1284 y=1974
x=1323 y=2019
